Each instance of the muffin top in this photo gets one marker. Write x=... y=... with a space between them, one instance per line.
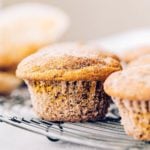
x=100 y=51
x=67 y=61
x=132 y=83
x=135 y=53
x=26 y=27
x=143 y=60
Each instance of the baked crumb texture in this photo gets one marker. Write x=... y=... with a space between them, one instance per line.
x=69 y=101
x=135 y=118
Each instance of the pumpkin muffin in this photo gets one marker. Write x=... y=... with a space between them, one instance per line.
x=86 y=48
x=143 y=60
x=130 y=90
x=135 y=53
x=8 y=82
x=66 y=84
x=100 y=50
x=26 y=27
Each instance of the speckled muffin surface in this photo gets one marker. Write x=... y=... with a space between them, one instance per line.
x=66 y=82
x=132 y=83
x=91 y=46
x=69 y=101
x=130 y=90
x=67 y=62
x=26 y=27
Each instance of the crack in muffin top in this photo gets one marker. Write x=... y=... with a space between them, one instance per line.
x=68 y=61
x=132 y=83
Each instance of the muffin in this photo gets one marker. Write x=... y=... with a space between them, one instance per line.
x=101 y=51
x=135 y=53
x=143 y=60
x=66 y=84
x=8 y=82
x=86 y=48
x=26 y=27
x=130 y=90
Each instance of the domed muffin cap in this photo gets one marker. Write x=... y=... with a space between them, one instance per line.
x=101 y=50
x=143 y=60
x=130 y=84
x=26 y=27
x=68 y=62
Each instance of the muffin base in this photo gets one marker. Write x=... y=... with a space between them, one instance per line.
x=69 y=101
x=135 y=118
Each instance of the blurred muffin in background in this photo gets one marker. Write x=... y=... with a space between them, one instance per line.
x=126 y=55
x=135 y=53
x=143 y=60
x=26 y=27
x=66 y=82
x=8 y=82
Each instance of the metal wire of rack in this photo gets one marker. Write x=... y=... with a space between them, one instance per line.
x=104 y=134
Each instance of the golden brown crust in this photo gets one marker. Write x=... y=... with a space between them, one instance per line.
x=143 y=60
x=63 y=62
x=8 y=82
x=132 y=83
x=131 y=55
x=21 y=36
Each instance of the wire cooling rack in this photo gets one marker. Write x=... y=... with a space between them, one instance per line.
x=105 y=134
